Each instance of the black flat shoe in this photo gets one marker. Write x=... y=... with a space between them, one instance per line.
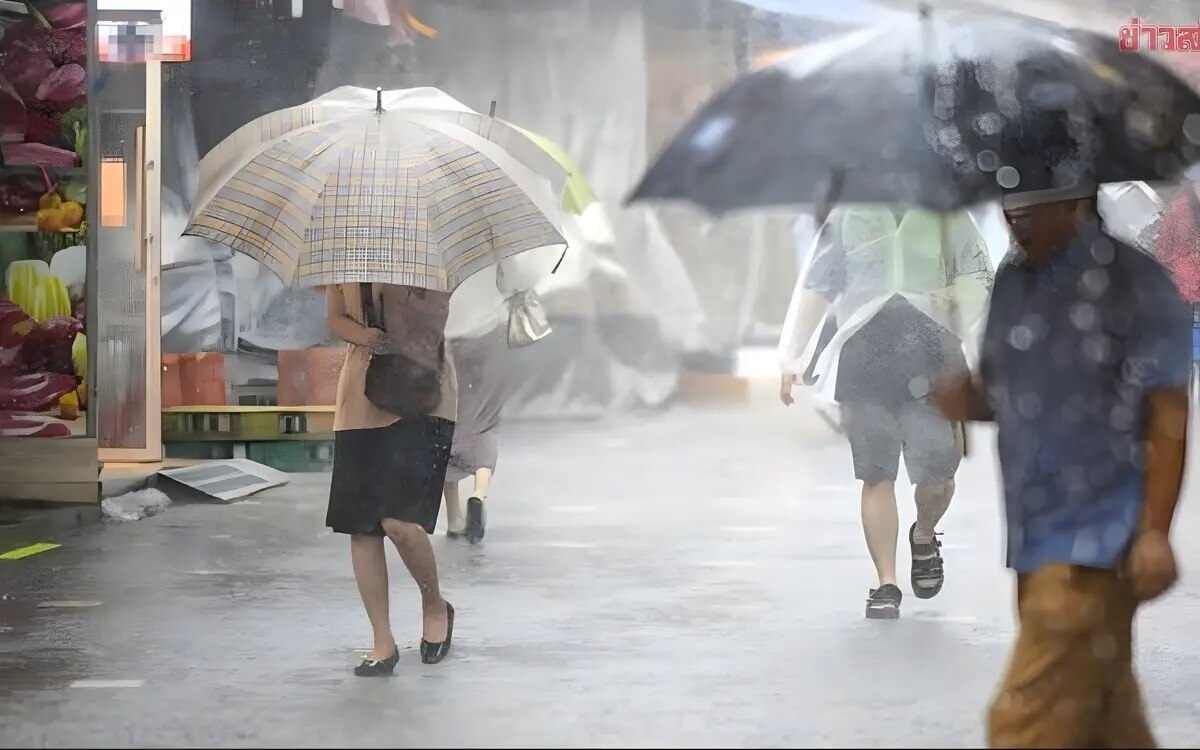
x=432 y=653
x=476 y=520
x=382 y=668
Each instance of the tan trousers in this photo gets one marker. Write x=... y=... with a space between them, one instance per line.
x=1070 y=682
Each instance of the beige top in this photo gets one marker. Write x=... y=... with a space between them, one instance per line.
x=416 y=319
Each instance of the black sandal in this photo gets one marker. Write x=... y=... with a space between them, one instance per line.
x=432 y=653
x=380 y=668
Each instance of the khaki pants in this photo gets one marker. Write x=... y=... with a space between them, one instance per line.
x=1071 y=681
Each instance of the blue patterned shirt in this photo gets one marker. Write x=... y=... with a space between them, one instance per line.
x=1070 y=353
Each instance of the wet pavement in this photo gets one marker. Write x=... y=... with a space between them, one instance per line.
x=691 y=578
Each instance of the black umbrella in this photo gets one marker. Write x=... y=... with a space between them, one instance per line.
x=940 y=111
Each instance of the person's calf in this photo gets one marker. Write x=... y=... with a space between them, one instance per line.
x=417 y=554
x=932 y=500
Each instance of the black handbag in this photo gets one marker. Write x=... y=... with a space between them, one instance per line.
x=396 y=383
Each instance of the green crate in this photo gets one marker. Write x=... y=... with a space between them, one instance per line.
x=199 y=451
x=293 y=455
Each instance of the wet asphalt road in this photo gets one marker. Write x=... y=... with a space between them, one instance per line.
x=693 y=578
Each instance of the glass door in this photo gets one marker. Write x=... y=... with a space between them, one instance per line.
x=128 y=347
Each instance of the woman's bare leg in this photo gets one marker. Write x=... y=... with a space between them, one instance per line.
x=456 y=514
x=417 y=553
x=483 y=483
x=370 y=573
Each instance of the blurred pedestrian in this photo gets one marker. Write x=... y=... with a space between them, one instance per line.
x=1084 y=369
x=892 y=279
x=388 y=471
x=482 y=366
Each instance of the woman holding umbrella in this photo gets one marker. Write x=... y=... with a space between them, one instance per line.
x=388 y=470
x=389 y=212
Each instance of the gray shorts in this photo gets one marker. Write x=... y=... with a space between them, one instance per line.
x=932 y=447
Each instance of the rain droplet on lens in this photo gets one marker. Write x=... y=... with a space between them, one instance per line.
x=949 y=137
x=1103 y=250
x=1021 y=338
x=1083 y=315
x=1121 y=418
x=989 y=123
x=1086 y=546
x=1191 y=128
x=1096 y=348
x=1116 y=535
x=919 y=386
x=988 y=160
x=712 y=133
x=1008 y=177
x=1095 y=281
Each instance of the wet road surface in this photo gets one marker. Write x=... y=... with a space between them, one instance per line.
x=690 y=578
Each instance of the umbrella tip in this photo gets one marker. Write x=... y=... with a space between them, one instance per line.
x=378 y=98
x=492 y=111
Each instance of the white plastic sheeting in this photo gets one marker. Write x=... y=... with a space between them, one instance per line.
x=134 y=506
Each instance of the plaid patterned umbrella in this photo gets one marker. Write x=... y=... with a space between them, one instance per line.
x=323 y=198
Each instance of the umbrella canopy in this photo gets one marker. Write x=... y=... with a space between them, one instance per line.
x=365 y=197
x=940 y=111
x=577 y=194
x=518 y=155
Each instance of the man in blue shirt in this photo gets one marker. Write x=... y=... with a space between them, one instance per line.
x=1084 y=369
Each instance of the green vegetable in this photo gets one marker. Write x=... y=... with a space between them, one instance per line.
x=74 y=129
x=74 y=190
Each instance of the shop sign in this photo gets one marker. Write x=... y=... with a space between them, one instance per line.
x=144 y=30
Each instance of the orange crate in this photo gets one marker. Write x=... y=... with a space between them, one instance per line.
x=172 y=384
x=202 y=379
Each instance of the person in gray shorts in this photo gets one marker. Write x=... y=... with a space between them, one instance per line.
x=884 y=275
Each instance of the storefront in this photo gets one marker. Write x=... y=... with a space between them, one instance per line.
x=80 y=112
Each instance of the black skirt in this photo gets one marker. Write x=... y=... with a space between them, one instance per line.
x=389 y=472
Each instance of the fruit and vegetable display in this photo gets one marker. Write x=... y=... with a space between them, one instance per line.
x=43 y=194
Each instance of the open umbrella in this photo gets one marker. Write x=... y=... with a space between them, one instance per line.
x=371 y=196
x=941 y=111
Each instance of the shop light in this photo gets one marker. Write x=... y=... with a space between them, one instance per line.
x=113 y=186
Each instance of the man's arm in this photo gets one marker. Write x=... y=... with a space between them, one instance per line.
x=1166 y=448
x=1159 y=362
x=822 y=278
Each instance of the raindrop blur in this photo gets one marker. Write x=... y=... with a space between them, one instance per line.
x=1116 y=535
x=1008 y=177
x=949 y=137
x=1095 y=282
x=989 y=123
x=1191 y=128
x=1097 y=348
x=1103 y=250
x=988 y=160
x=1086 y=546
x=1052 y=95
x=1083 y=315
x=1020 y=337
x=712 y=134
x=919 y=386
x=1029 y=405
x=1121 y=418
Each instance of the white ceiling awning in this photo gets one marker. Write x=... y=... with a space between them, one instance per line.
x=853 y=12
